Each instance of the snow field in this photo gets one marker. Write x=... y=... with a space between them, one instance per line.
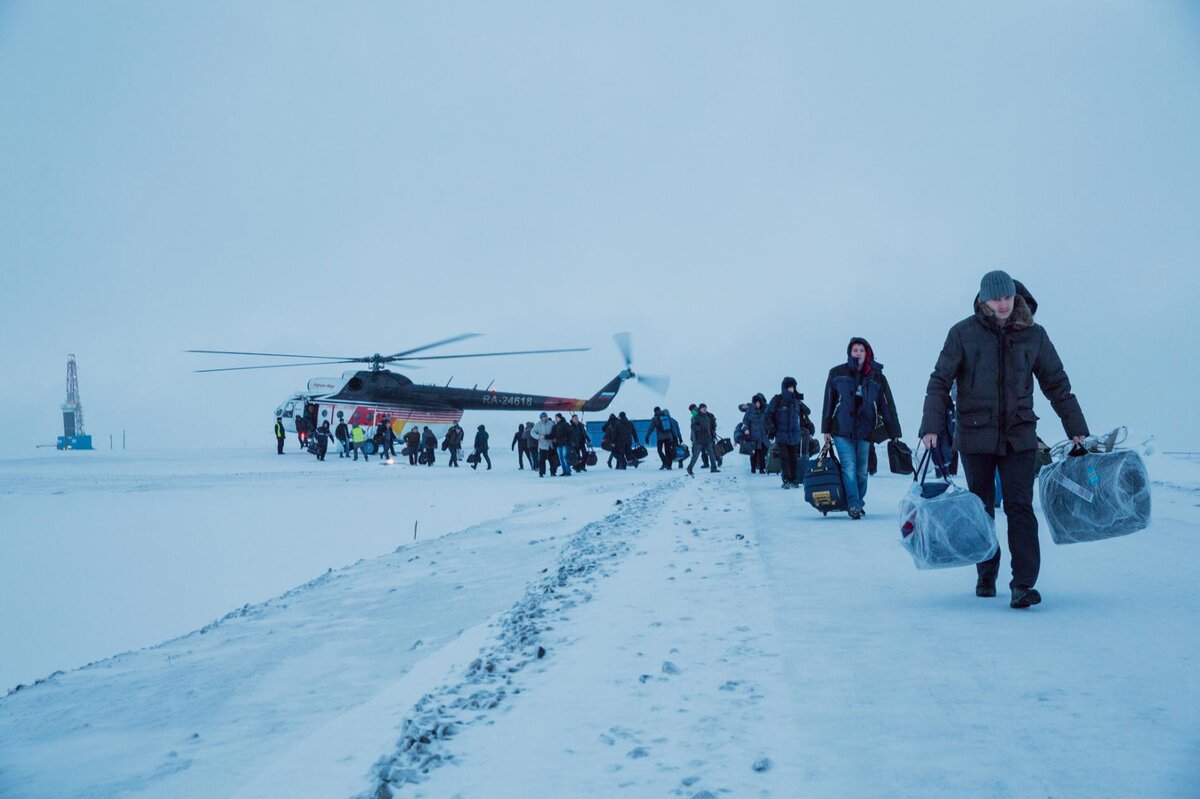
x=704 y=638
x=203 y=714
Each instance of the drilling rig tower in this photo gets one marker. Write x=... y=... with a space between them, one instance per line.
x=73 y=436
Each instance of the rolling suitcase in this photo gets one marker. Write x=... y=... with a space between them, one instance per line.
x=823 y=487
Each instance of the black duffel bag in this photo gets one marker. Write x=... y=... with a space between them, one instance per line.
x=823 y=486
x=723 y=447
x=899 y=457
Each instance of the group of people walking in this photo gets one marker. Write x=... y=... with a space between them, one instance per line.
x=558 y=446
x=420 y=445
x=978 y=404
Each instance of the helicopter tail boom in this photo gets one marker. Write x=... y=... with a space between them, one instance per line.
x=604 y=397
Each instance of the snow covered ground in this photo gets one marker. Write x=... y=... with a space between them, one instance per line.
x=639 y=634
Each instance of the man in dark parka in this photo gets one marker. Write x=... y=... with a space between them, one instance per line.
x=994 y=355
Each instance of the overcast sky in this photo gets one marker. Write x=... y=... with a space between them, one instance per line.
x=743 y=186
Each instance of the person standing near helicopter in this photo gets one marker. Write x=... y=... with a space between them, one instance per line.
x=342 y=434
x=429 y=445
x=279 y=434
x=412 y=443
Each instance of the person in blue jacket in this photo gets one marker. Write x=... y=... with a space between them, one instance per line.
x=666 y=433
x=754 y=426
x=858 y=399
x=787 y=416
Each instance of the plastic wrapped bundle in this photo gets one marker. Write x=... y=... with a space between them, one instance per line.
x=1094 y=496
x=949 y=529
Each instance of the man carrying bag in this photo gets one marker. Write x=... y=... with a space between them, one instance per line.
x=994 y=355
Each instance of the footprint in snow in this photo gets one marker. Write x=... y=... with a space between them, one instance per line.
x=670 y=668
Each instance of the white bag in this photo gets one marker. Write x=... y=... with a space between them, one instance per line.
x=1095 y=496
x=945 y=529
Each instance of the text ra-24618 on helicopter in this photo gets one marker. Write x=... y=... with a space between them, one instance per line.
x=368 y=396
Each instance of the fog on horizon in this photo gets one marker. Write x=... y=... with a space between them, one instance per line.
x=742 y=187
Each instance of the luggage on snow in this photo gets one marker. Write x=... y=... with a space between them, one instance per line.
x=823 y=486
x=1090 y=496
x=899 y=458
x=774 y=463
x=943 y=524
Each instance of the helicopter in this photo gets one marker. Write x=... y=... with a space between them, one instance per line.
x=367 y=396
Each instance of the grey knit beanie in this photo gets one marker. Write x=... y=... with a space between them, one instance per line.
x=996 y=284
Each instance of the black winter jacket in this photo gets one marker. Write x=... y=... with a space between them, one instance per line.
x=481 y=441
x=562 y=433
x=704 y=427
x=994 y=367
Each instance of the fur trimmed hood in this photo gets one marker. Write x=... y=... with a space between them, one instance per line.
x=1021 y=318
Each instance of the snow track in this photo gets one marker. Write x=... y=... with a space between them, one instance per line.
x=493 y=678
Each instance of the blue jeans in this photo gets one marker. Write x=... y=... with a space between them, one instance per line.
x=854 y=456
x=562 y=459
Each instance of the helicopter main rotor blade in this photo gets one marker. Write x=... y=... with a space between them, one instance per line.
x=276 y=355
x=625 y=345
x=443 y=342
x=487 y=354
x=275 y=366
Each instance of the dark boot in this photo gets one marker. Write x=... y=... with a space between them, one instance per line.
x=1023 y=597
x=985 y=587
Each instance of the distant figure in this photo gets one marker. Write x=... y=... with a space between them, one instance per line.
x=703 y=425
x=755 y=426
x=429 y=444
x=518 y=443
x=302 y=431
x=666 y=431
x=342 y=433
x=531 y=446
x=453 y=442
x=562 y=443
x=412 y=442
x=279 y=434
x=543 y=432
x=389 y=439
x=323 y=436
x=359 y=437
x=579 y=442
x=693 y=409
x=380 y=437
x=786 y=417
x=607 y=441
x=481 y=447
x=623 y=436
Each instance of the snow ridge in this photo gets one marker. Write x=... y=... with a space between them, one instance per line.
x=490 y=678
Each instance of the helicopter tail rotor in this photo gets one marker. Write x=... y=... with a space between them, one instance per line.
x=656 y=383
